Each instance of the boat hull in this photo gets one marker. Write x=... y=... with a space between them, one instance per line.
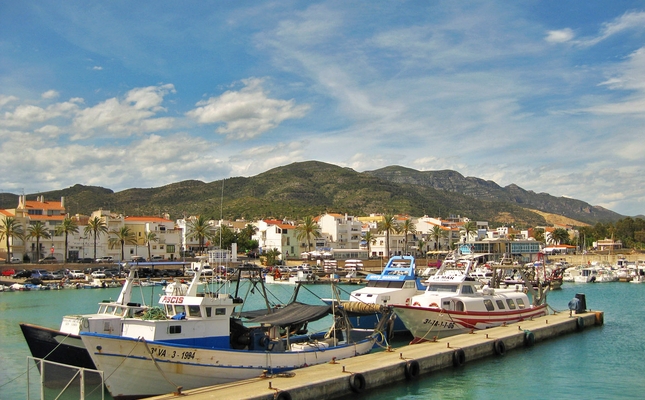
x=131 y=371
x=427 y=323
x=53 y=345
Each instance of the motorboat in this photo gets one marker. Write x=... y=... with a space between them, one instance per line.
x=200 y=339
x=396 y=284
x=455 y=302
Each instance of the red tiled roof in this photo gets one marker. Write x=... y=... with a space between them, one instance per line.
x=44 y=205
x=147 y=219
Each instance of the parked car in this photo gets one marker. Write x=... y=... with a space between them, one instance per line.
x=98 y=274
x=138 y=259
x=60 y=274
x=41 y=274
x=76 y=274
x=24 y=273
x=114 y=273
x=48 y=260
x=8 y=272
x=15 y=260
x=85 y=260
x=104 y=260
x=156 y=258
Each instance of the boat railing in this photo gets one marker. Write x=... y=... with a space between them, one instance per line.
x=63 y=377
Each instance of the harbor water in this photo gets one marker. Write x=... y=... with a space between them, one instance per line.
x=601 y=363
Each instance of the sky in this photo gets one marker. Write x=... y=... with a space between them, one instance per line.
x=547 y=95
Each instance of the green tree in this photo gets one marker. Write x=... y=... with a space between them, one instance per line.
x=560 y=236
x=122 y=236
x=388 y=225
x=437 y=233
x=224 y=237
x=370 y=240
x=538 y=235
x=10 y=228
x=244 y=238
x=406 y=227
x=150 y=237
x=468 y=228
x=38 y=230
x=272 y=256
x=307 y=230
x=95 y=227
x=67 y=227
x=422 y=247
x=201 y=230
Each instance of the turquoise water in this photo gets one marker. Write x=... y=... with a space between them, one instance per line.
x=600 y=363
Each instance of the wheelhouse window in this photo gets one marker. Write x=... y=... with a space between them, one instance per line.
x=467 y=289
x=220 y=311
x=489 y=305
x=520 y=304
x=194 y=311
x=442 y=288
x=511 y=304
x=500 y=304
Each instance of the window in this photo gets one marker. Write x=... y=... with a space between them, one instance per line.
x=520 y=304
x=208 y=312
x=489 y=305
x=511 y=304
x=173 y=329
x=466 y=289
x=220 y=311
x=193 y=311
x=500 y=304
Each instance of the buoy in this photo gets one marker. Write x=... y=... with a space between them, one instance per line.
x=412 y=369
x=458 y=358
x=434 y=305
x=500 y=347
x=529 y=338
x=357 y=382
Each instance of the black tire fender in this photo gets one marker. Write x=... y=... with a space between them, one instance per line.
x=412 y=369
x=357 y=382
x=458 y=358
x=500 y=347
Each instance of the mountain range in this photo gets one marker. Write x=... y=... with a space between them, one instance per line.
x=311 y=188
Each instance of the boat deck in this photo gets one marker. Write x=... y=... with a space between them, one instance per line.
x=382 y=368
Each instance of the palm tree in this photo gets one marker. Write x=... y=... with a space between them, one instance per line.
x=560 y=236
x=370 y=239
x=121 y=237
x=468 y=228
x=387 y=225
x=538 y=234
x=95 y=227
x=272 y=256
x=422 y=244
x=10 y=228
x=201 y=230
x=406 y=227
x=38 y=230
x=437 y=233
x=68 y=226
x=149 y=238
x=307 y=229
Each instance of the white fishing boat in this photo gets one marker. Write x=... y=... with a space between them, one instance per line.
x=65 y=345
x=205 y=343
x=588 y=274
x=454 y=302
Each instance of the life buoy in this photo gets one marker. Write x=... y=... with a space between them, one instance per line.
x=433 y=305
x=357 y=382
x=529 y=338
x=459 y=358
x=580 y=324
x=412 y=369
x=500 y=347
x=407 y=301
x=283 y=395
x=416 y=304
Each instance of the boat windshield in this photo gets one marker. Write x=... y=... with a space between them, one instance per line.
x=442 y=288
x=385 y=284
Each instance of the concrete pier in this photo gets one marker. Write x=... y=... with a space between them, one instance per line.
x=408 y=362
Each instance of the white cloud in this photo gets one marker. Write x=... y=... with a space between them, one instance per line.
x=97 y=68
x=559 y=36
x=7 y=99
x=246 y=113
x=50 y=94
x=132 y=115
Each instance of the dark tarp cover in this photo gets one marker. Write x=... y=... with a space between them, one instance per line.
x=293 y=314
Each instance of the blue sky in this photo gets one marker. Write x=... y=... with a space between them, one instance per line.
x=548 y=95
